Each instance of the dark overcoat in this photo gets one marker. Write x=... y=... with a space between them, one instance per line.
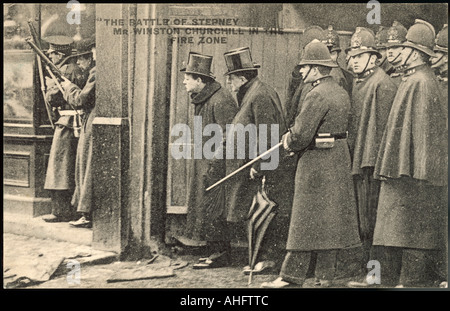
x=371 y=102
x=259 y=104
x=215 y=105
x=343 y=78
x=83 y=98
x=413 y=166
x=324 y=212
x=61 y=162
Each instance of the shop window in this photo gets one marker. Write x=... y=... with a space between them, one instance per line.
x=22 y=97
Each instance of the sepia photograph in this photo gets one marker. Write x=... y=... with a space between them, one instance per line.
x=266 y=146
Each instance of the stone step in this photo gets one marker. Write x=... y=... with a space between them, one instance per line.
x=26 y=225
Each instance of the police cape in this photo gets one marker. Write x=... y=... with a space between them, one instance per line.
x=412 y=164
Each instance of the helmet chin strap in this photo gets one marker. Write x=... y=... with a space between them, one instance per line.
x=307 y=74
x=367 y=64
x=406 y=60
x=398 y=54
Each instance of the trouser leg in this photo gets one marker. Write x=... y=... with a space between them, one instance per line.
x=61 y=203
x=295 y=266
x=415 y=267
x=390 y=265
x=326 y=264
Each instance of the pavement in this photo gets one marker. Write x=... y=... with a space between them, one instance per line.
x=40 y=255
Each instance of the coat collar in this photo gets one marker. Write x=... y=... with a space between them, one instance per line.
x=206 y=93
x=244 y=89
x=319 y=81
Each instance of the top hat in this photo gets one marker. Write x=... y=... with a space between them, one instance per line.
x=396 y=34
x=442 y=40
x=59 y=44
x=84 y=46
x=199 y=64
x=238 y=60
x=363 y=41
x=317 y=53
x=381 y=38
x=332 y=39
x=421 y=37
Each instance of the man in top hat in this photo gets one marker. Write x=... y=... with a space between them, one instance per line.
x=297 y=89
x=83 y=99
x=342 y=76
x=214 y=104
x=259 y=106
x=324 y=216
x=396 y=36
x=413 y=166
x=381 y=39
x=373 y=93
x=440 y=62
x=61 y=164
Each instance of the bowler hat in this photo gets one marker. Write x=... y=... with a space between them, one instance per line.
x=442 y=40
x=363 y=41
x=332 y=39
x=317 y=53
x=59 y=44
x=396 y=34
x=238 y=60
x=199 y=64
x=421 y=37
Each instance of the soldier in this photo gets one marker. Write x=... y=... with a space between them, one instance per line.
x=83 y=98
x=440 y=62
x=61 y=163
x=413 y=167
x=259 y=105
x=373 y=93
x=215 y=105
x=396 y=36
x=381 y=39
x=343 y=77
x=323 y=218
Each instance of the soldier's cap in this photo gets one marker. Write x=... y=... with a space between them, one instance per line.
x=381 y=37
x=332 y=39
x=396 y=34
x=363 y=41
x=238 y=60
x=199 y=64
x=317 y=53
x=59 y=44
x=421 y=36
x=442 y=40
x=84 y=46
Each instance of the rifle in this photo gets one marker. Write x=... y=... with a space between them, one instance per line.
x=54 y=71
x=41 y=73
x=50 y=65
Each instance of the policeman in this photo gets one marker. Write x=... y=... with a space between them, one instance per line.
x=381 y=43
x=297 y=89
x=373 y=94
x=396 y=36
x=413 y=167
x=61 y=164
x=342 y=77
x=323 y=218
